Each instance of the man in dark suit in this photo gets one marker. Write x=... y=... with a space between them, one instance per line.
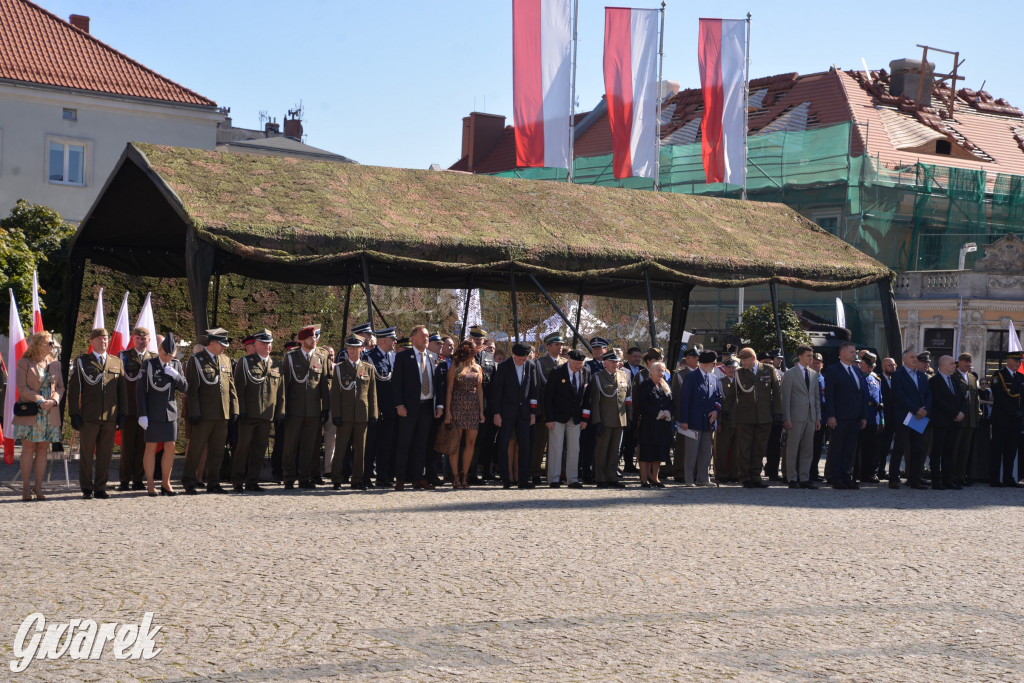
x=567 y=411
x=1007 y=413
x=969 y=426
x=913 y=397
x=846 y=413
x=697 y=404
x=416 y=405
x=888 y=433
x=948 y=392
x=483 y=452
x=514 y=402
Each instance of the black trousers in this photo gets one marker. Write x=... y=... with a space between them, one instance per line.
x=1005 y=437
x=277 y=453
x=628 y=447
x=843 y=448
x=820 y=437
x=520 y=426
x=885 y=444
x=914 y=447
x=383 y=437
x=483 y=451
x=588 y=444
x=944 y=438
x=867 y=452
x=773 y=453
x=411 y=445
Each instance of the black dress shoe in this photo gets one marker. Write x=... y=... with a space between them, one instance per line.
x=124 y=487
x=750 y=485
x=603 y=484
x=872 y=480
x=337 y=486
x=473 y=480
x=760 y=483
x=215 y=488
x=810 y=485
x=617 y=485
x=575 y=485
x=1011 y=485
x=87 y=494
x=918 y=485
x=289 y=485
x=255 y=488
x=527 y=485
x=506 y=485
x=955 y=487
x=775 y=477
x=190 y=490
x=536 y=481
x=360 y=486
x=101 y=495
x=307 y=484
x=166 y=492
x=839 y=484
x=238 y=488
x=852 y=485
x=644 y=485
x=319 y=481
x=658 y=484
x=555 y=485
x=794 y=484
x=138 y=486
x=938 y=486
x=894 y=483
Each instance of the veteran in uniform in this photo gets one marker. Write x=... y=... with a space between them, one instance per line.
x=611 y=396
x=260 y=389
x=212 y=402
x=307 y=396
x=726 y=450
x=133 y=438
x=758 y=404
x=382 y=431
x=97 y=398
x=353 y=406
x=867 y=440
x=1007 y=419
x=588 y=439
x=553 y=344
x=157 y=411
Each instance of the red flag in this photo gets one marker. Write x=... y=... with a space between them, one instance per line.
x=721 y=51
x=16 y=346
x=541 y=38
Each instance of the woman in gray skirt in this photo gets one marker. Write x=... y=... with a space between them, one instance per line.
x=158 y=410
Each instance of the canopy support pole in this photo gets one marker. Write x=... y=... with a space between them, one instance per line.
x=216 y=299
x=893 y=337
x=650 y=302
x=515 y=303
x=579 y=315
x=465 y=309
x=778 y=322
x=72 y=300
x=199 y=258
x=680 y=309
x=366 y=287
x=383 y=320
x=561 y=314
x=344 y=314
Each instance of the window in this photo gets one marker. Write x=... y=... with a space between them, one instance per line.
x=66 y=162
x=827 y=221
x=70 y=114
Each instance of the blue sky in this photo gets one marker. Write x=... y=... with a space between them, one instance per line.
x=389 y=83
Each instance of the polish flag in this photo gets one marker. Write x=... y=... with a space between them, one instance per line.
x=1014 y=345
x=631 y=87
x=97 y=318
x=146 y=320
x=541 y=38
x=721 y=51
x=16 y=346
x=120 y=339
x=37 y=314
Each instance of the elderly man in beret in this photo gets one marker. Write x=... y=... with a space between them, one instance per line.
x=514 y=393
x=698 y=404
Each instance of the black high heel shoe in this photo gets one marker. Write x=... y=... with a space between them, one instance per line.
x=151 y=494
x=167 y=492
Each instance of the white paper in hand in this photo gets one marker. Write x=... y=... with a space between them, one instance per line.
x=688 y=433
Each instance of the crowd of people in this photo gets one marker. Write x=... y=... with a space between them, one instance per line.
x=418 y=411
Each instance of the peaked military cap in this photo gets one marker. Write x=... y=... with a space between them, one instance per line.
x=264 y=336
x=363 y=328
x=219 y=335
x=353 y=340
x=386 y=333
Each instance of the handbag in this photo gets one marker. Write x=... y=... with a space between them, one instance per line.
x=22 y=409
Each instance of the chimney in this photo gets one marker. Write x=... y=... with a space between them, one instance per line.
x=271 y=129
x=80 y=22
x=480 y=132
x=293 y=128
x=905 y=78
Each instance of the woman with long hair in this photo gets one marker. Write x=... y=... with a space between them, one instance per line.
x=465 y=412
x=40 y=384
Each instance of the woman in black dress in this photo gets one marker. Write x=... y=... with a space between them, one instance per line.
x=158 y=410
x=652 y=411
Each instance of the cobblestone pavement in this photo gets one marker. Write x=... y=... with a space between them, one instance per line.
x=485 y=584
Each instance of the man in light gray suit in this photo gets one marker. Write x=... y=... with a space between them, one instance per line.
x=801 y=412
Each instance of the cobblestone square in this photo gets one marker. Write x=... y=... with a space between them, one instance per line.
x=486 y=584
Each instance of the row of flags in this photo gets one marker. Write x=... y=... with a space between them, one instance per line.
x=543 y=32
x=17 y=343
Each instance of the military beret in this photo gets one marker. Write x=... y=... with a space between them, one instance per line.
x=248 y=339
x=691 y=352
x=611 y=355
x=264 y=336
x=555 y=338
x=289 y=345
x=729 y=348
x=386 y=333
x=520 y=349
x=217 y=334
x=576 y=354
x=309 y=331
x=707 y=357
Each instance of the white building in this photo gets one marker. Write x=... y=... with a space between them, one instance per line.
x=68 y=105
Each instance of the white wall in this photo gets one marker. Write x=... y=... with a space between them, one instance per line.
x=29 y=116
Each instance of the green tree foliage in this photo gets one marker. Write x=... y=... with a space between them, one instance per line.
x=35 y=237
x=758 y=326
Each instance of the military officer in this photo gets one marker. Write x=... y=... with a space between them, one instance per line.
x=212 y=402
x=1007 y=418
x=551 y=359
x=972 y=414
x=97 y=398
x=758 y=404
x=381 y=441
x=353 y=405
x=867 y=440
x=133 y=437
x=725 y=448
x=160 y=378
x=611 y=400
x=365 y=332
x=307 y=397
x=260 y=389
x=588 y=438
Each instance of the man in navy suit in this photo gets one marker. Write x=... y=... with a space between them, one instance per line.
x=846 y=412
x=416 y=403
x=913 y=396
x=698 y=403
x=567 y=411
x=948 y=401
x=514 y=397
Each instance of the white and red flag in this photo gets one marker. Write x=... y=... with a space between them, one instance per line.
x=541 y=81
x=1014 y=345
x=146 y=320
x=121 y=337
x=631 y=89
x=721 y=51
x=97 y=317
x=37 y=313
x=16 y=346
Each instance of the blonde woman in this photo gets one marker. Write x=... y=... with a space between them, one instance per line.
x=465 y=412
x=40 y=384
x=652 y=412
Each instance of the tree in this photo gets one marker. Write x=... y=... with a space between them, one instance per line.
x=757 y=325
x=35 y=237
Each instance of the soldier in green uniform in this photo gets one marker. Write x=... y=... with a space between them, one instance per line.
x=260 y=390
x=726 y=451
x=307 y=389
x=611 y=400
x=758 y=403
x=97 y=398
x=212 y=402
x=353 y=405
x=553 y=344
x=133 y=437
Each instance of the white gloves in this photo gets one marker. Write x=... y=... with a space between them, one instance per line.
x=170 y=372
x=144 y=422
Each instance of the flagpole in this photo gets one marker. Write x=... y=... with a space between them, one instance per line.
x=572 y=90
x=746 y=106
x=657 y=118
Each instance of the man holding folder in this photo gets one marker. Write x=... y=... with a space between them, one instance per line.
x=913 y=400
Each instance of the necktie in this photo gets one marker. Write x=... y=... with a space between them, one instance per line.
x=575 y=384
x=949 y=383
x=807 y=380
x=855 y=382
x=425 y=378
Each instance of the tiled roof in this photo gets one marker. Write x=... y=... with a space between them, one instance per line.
x=39 y=47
